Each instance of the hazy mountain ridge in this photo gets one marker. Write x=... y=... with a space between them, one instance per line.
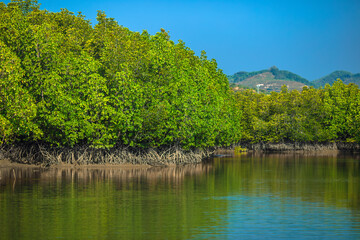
x=346 y=77
x=272 y=79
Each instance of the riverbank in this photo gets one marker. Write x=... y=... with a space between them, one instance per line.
x=45 y=155
x=39 y=155
x=301 y=146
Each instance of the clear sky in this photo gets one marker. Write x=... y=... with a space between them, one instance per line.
x=309 y=37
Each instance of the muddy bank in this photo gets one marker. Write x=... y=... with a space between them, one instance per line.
x=45 y=155
x=298 y=146
x=35 y=154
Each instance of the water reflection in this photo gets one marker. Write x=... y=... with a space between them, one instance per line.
x=247 y=196
x=24 y=176
x=331 y=178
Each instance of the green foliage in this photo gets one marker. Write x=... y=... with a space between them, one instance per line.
x=313 y=115
x=283 y=74
x=17 y=107
x=26 y=6
x=106 y=85
x=241 y=76
x=239 y=150
x=65 y=82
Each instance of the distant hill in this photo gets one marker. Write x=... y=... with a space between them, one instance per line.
x=346 y=77
x=271 y=79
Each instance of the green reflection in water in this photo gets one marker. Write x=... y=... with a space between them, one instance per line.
x=195 y=201
x=330 y=179
x=107 y=204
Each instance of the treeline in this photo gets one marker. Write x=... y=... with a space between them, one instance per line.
x=283 y=74
x=346 y=77
x=241 y=76
x=312 y=115
x=66 y=83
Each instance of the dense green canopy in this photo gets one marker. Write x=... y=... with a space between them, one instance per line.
x=313 y=115
x=65 y=82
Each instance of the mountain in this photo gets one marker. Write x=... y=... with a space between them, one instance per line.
x=270 y=80
x=346 y=77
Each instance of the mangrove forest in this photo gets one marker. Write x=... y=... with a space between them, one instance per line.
x=65 y=82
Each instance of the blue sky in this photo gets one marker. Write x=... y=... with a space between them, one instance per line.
x=309 y=37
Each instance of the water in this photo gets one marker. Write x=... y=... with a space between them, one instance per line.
x=252 y=196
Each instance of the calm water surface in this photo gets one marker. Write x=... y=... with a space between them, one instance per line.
x=253 y=196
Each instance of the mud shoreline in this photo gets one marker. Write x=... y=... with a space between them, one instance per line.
x=35 y=156
x=46 y=156
x=301 y=146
